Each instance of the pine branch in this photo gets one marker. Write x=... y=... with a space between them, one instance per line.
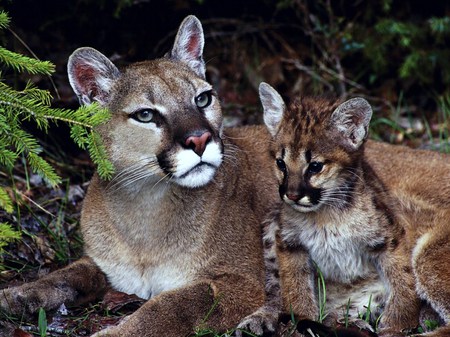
x=23 y=63
x=41 y=167
x=34 y=104
x=5 y=201
x=4 y=20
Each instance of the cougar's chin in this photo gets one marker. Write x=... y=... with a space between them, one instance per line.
x=194 y=171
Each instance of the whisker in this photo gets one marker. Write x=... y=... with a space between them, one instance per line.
x=164 y=177
x=140 y=170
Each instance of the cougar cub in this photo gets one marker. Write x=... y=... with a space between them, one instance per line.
x=373 y=218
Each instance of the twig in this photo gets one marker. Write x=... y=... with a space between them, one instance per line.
x=297 y=64
x=37 y=58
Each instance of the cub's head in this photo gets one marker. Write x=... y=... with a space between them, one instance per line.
x=166 y=119
x=317 y=144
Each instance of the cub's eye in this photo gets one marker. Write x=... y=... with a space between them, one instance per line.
x=315 y=167
x=203 y=100
x=281 y=164
x=143 y=116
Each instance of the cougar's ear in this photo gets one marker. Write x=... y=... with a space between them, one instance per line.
x=188 y=45
x=273 y=106
x=91 y=75
x=351 y=119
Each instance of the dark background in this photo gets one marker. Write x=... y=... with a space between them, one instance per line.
x=251 y=41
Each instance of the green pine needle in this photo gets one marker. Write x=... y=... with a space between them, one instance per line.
x=4 y=20
x=32 y=104
x=5 y=202
x=21 y=63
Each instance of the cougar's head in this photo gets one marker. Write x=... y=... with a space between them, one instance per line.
x=316 y=148
x=166 y=119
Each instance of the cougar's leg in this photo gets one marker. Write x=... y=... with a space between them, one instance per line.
x=217 y=304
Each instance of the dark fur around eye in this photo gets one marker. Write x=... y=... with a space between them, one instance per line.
x=281 y=164
x=315 y=167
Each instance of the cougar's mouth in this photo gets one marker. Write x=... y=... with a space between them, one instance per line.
x=197 y=169
x=194 y=171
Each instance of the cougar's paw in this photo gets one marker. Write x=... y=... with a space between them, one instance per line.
x=264 y=320
x=19 y=300
x=29 y=297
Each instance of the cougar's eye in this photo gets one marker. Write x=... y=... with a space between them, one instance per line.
x=281 y=164
x=315 y=167
x=143 y=116
x=203 y=100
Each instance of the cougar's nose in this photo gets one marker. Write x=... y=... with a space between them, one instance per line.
x=197 y=143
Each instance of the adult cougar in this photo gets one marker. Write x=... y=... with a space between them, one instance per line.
x=179 y=224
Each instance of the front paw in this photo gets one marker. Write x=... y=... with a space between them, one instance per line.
x=19 y=300
x=264 y=320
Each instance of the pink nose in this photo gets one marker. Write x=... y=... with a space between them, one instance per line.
x=198 y=143
x=293 y=197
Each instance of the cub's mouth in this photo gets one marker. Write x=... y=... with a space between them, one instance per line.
x=305 y=203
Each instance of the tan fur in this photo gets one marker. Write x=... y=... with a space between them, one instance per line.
x=389 y=214
x=187 y=244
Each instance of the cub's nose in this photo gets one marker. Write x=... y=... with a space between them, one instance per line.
x=197 y=143
x=293 y=197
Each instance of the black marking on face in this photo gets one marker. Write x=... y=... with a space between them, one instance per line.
x=314 y=195
x=308 y=156
x=282 y=189
x=164 y=163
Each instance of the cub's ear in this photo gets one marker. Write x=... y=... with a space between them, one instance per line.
x=273 y=106
x=91 y=75
x=188 y=45
x=352 y=119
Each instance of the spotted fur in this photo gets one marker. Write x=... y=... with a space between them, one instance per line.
x=338 y=216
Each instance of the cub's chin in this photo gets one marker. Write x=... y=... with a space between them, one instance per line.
x=302 y=207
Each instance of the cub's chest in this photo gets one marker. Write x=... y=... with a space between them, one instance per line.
x=339 y=249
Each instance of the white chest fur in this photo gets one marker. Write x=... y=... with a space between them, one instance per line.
x=148 y=250
x=147 y=282
x=338 y=248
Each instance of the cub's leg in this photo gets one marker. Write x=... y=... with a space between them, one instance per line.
x=431 y=263
x=290 y=269
x=80 y=282
x=403 y=305
x=218 y=303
